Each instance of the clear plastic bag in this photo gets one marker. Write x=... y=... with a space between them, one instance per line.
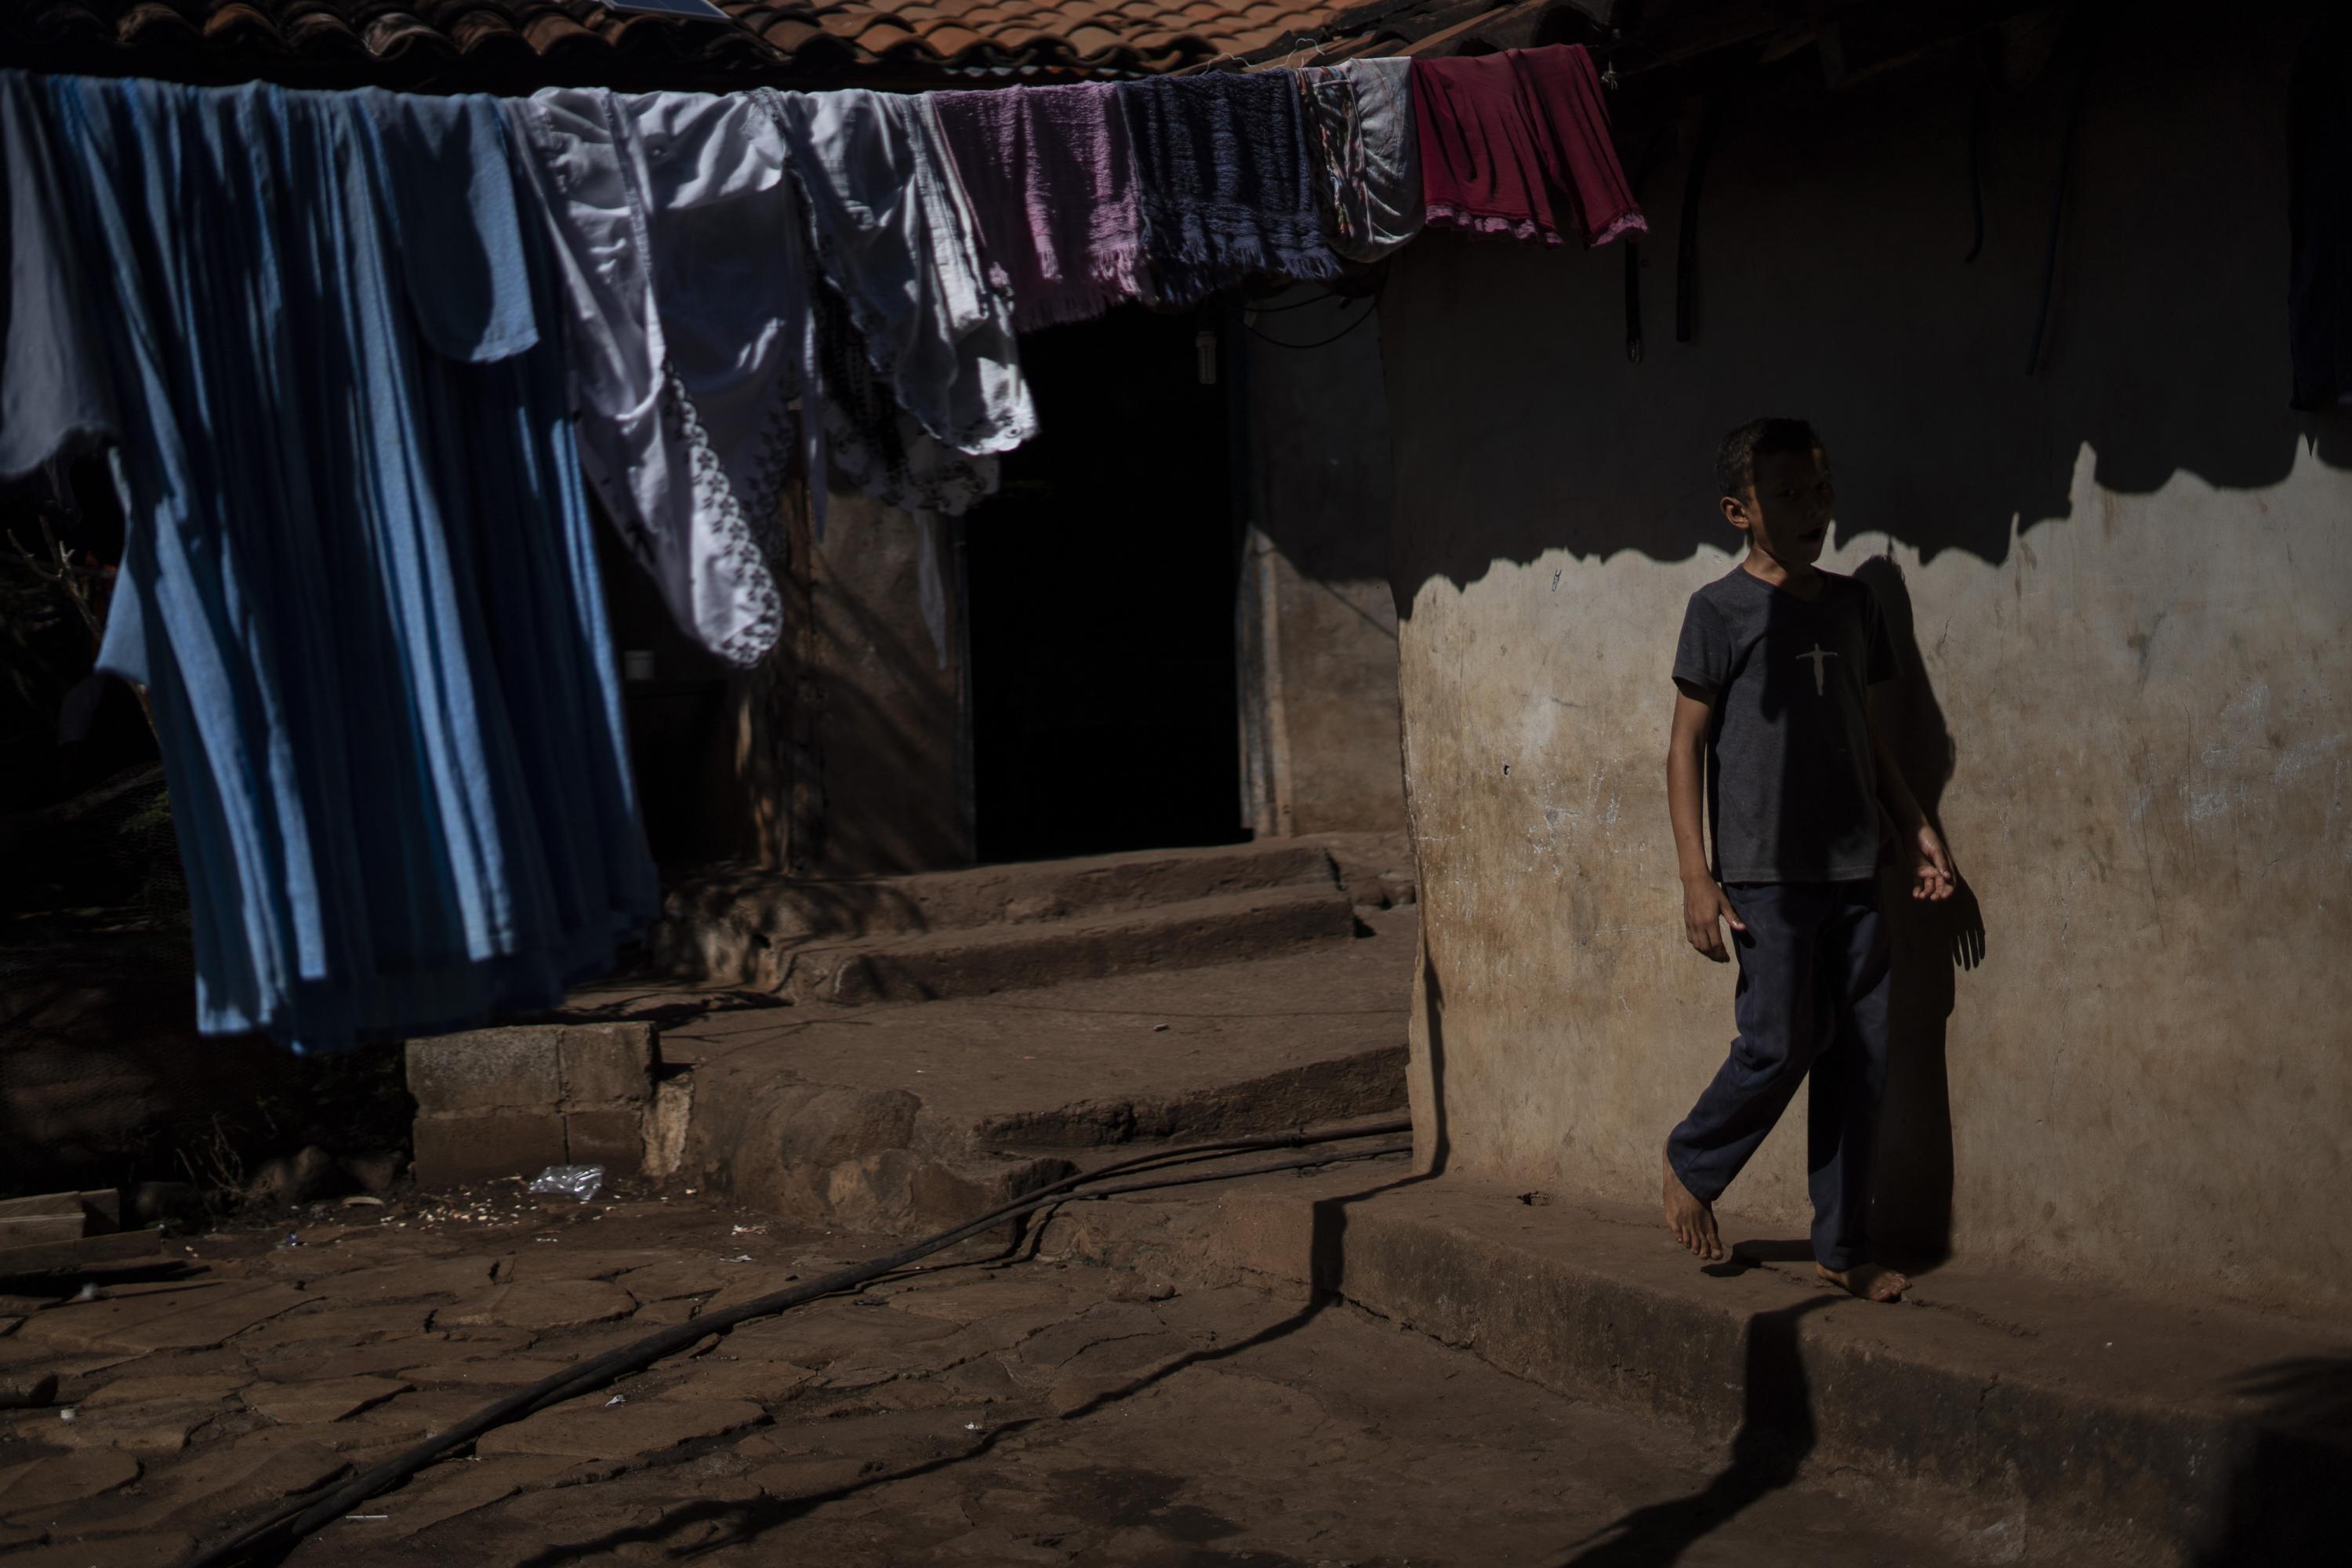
x=579 y=1182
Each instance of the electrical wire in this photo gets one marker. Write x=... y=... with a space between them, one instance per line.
x=1294 y=305
x=1321 y=343
x=292 y=1521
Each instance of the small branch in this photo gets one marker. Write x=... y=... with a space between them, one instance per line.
x=73 y=582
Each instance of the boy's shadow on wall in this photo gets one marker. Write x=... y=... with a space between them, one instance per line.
x=1911 y=1200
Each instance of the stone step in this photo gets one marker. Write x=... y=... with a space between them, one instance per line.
x=887 y=1160
x=911 y=1117
x=2077 y=1421
x=1224 y=929
x=733 y=925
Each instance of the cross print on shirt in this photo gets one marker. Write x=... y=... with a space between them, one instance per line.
x=1820 y=658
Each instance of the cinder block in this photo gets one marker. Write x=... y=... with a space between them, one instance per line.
x=609 y=1136
x=606 y=1062
x=452 y=1150
x=487 y=1069
x=54 y=1216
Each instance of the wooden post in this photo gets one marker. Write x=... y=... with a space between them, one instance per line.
x=772 y=708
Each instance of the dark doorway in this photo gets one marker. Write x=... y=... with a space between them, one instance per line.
x=1101 y=586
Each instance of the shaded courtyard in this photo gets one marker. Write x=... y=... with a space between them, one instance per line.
x=991 y=1409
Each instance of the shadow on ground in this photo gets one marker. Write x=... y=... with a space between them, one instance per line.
x=1775 y=1435
x=740 y=1522
x=2284 y=1499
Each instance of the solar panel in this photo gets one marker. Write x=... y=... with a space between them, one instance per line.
x=702 y=8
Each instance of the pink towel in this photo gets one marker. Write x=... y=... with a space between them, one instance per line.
x=1052 y=182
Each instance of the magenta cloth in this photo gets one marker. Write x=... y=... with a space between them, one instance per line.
x=1051 y=183
x=1518 y=144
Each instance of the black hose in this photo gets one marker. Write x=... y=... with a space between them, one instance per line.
x=1633 y=300
x=1652 y=145
x=1977 y=110
x=1686 y=238
x=293 y=1521
x=2058 y=203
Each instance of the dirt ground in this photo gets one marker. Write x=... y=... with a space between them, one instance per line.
x=981 y=1410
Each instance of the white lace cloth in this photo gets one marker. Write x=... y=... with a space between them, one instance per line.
x=683 y=247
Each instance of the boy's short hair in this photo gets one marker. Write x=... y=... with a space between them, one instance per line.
x=1735 y=459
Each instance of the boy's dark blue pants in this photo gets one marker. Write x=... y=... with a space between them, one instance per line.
x=1812 y=998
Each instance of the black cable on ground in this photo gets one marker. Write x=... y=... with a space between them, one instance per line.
x=293 y=1521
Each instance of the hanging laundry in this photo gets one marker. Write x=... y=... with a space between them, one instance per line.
x=52 y=395
x=1517 y=146
x=1226 y=184
x=876 y=448
x=1053 y=186
x=1360 y=120
x=358 y=575
x=682 y=243
x=895 y=236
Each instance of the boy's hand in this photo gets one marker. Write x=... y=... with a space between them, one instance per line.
x=1931 y=869
x=1705 y=905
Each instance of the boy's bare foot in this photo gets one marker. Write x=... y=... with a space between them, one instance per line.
x=1867 y=1281
x=1692 y=1221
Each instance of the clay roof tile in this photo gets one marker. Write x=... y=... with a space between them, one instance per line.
x=498 y=45
x=1252 y=40
x=152 y=24
x=884 y=34
x=552 y=31
x=237 y=22
x=320 y=33
x=1092 y=43
x=790 y=32
x=952 y=38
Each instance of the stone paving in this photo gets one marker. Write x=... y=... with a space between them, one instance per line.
x=981 y=1410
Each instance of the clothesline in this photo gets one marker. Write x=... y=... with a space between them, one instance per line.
x=317 y=335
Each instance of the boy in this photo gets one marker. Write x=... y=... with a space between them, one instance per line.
x=1772 y=721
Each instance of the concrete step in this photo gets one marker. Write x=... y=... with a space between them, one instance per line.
x=2071 y=1422
x=909 y=1118
x=1224 y=929
x=734 y=925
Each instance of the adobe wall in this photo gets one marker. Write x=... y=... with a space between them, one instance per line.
x=1315 y=580
x=883 y=639
x=2121 y=588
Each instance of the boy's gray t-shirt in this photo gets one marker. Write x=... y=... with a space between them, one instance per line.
x=1792 y=789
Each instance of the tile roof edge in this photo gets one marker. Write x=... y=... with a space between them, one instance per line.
x=1429 y=26
x=413 y=47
